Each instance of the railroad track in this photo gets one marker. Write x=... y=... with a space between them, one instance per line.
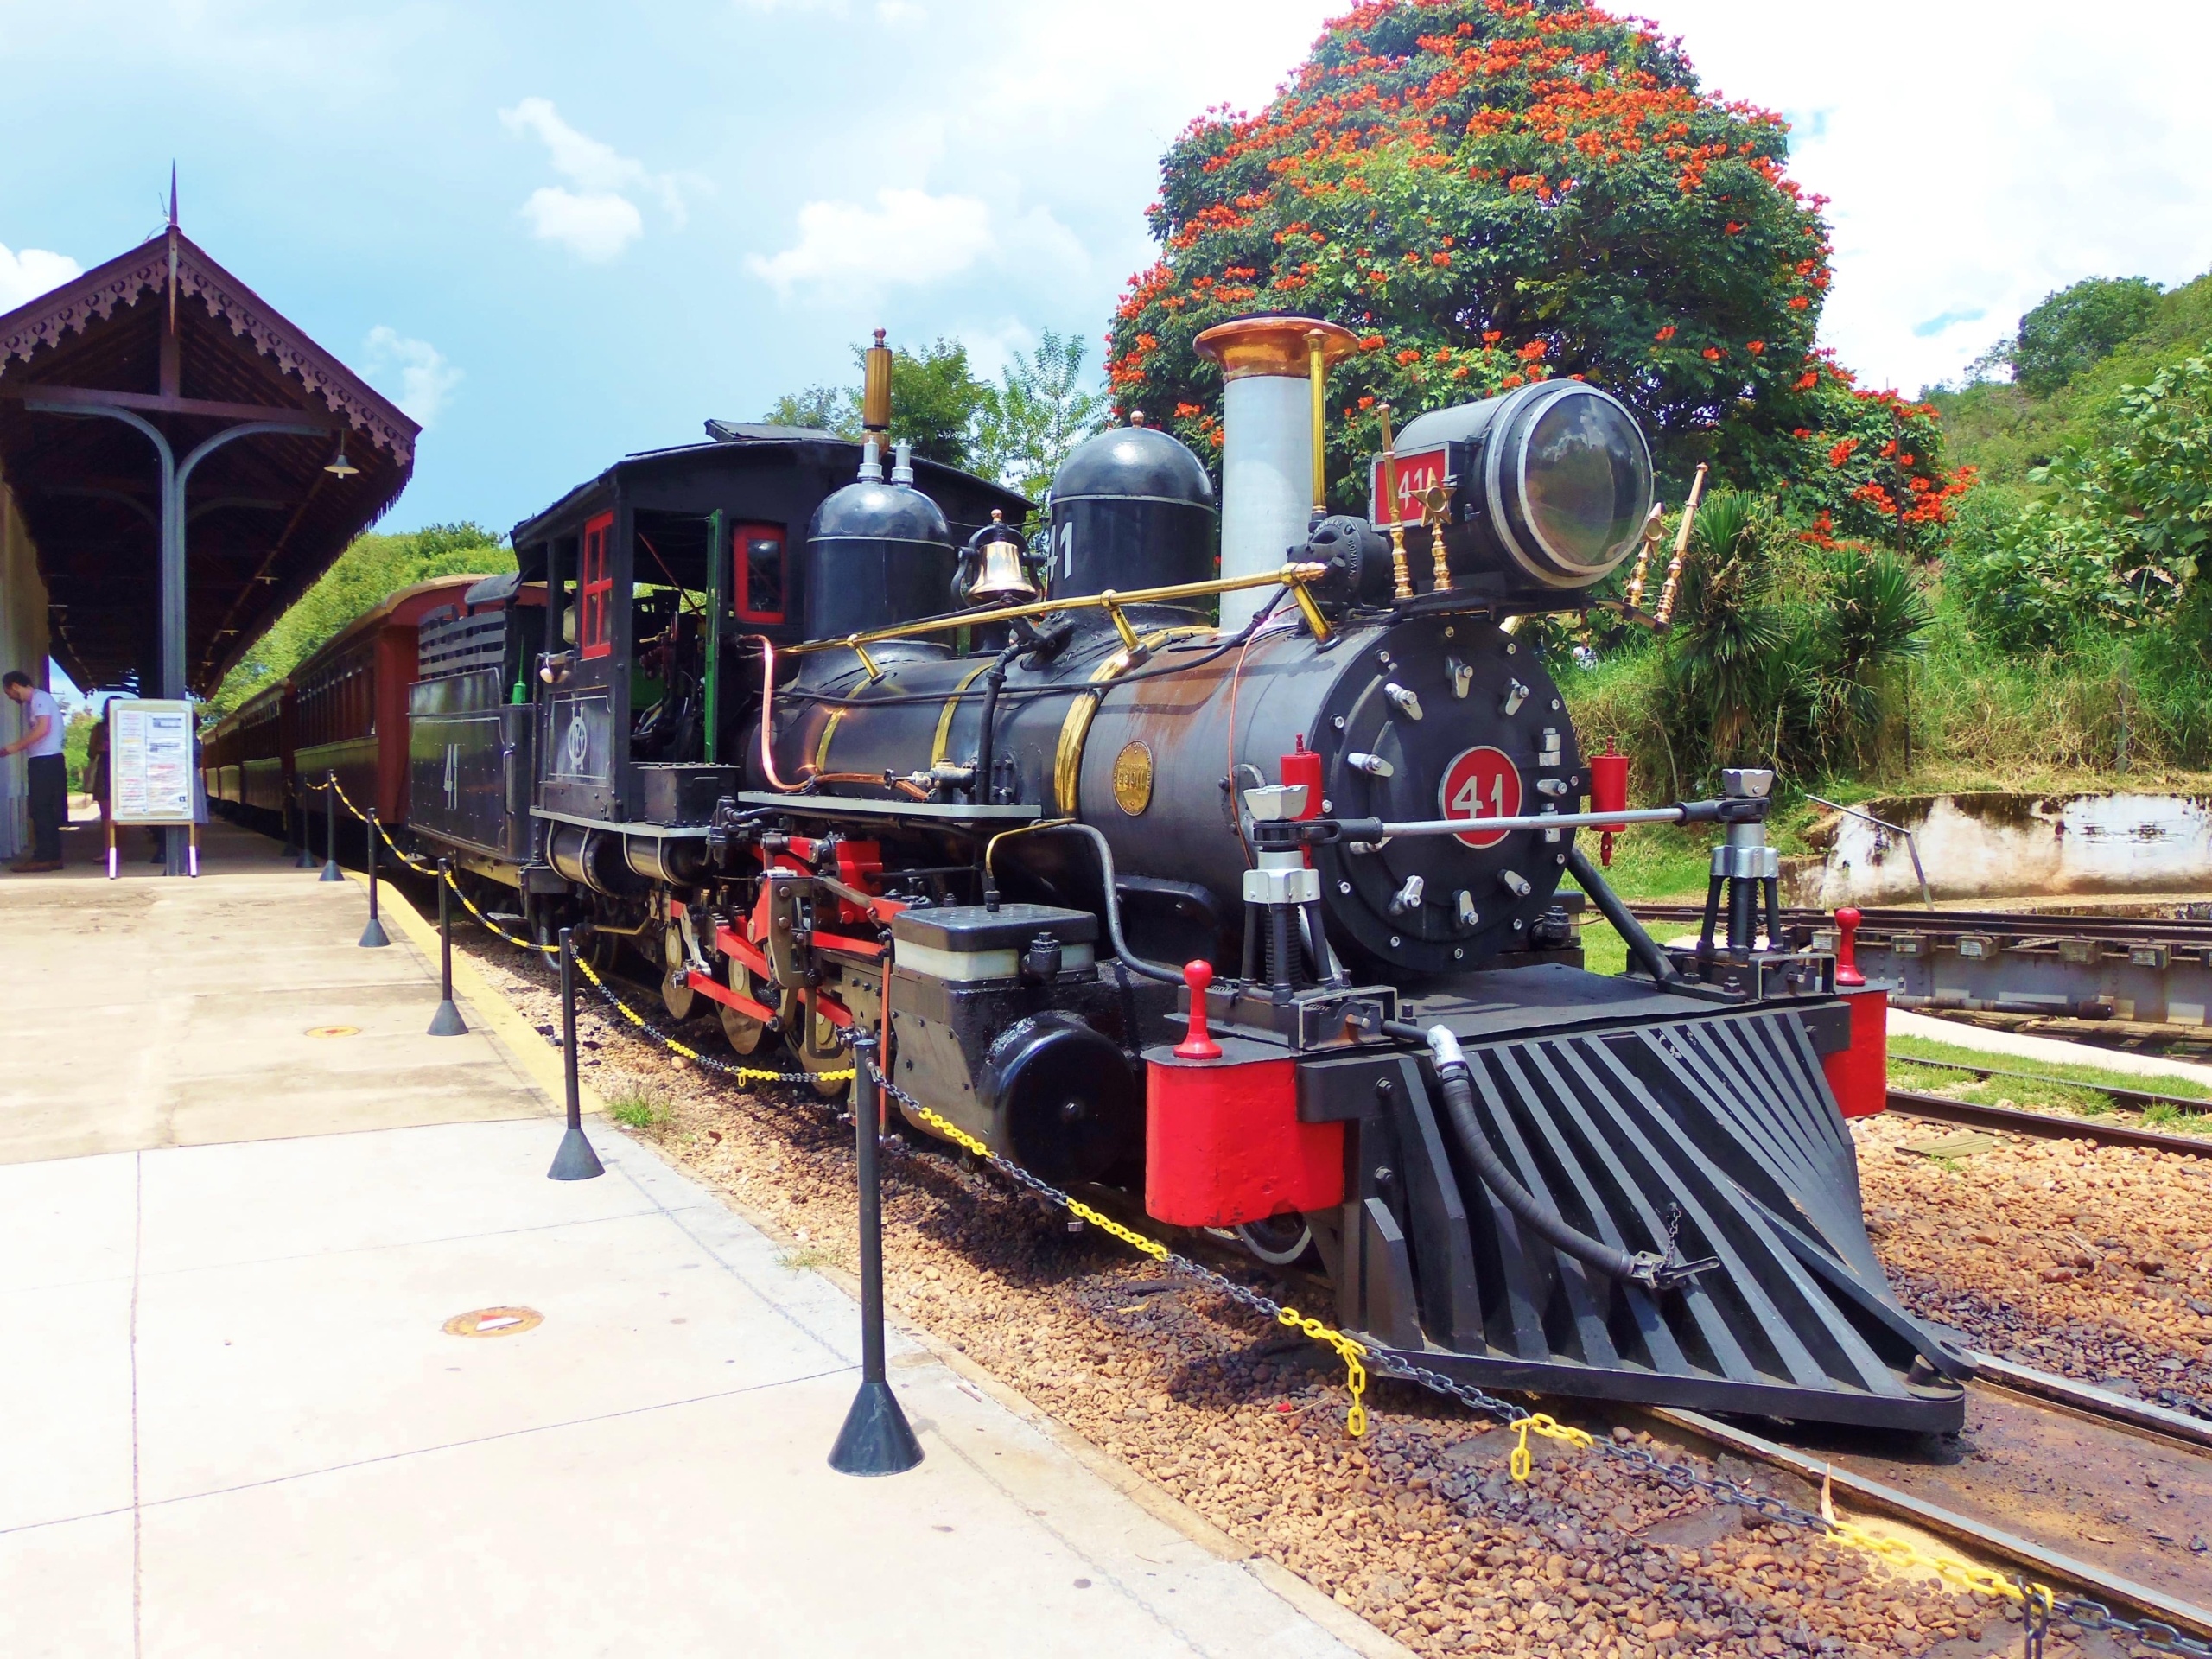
x=2121 y=930
x=2050 y=1459
x=2062 y=1482
x=2046 y=1126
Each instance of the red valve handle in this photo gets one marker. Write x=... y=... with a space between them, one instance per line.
x=1196 y=1044
x=1847 y=948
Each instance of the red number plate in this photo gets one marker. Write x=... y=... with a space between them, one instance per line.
x=1417 y=474
x=1481 y=783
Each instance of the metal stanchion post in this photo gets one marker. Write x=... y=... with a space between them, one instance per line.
x=373 y=935
x=297 y=815
x=447 y=1021
x=875 y=1440
x=330 y=870
x=575 y=1161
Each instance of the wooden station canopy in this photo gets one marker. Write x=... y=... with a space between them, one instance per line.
x=187 y=462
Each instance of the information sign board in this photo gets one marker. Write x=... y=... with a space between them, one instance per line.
x=150 y=760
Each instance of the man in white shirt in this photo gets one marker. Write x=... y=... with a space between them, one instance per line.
x=48 y=775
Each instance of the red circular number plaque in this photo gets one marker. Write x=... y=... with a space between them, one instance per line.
x=1481 y=783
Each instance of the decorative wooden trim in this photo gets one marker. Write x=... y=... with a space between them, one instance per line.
x=93 y=297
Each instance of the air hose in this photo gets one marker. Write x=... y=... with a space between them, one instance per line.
x=1645 y=1268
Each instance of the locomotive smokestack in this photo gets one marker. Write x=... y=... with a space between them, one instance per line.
x=1270 y=457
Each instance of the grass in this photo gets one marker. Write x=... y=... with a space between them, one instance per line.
x=636 y=1109
x=2036 y=1094
x=2160 y=1116
x=2047 y=1071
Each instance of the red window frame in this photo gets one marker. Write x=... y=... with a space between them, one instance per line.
x=596 y=587
x=740 y=544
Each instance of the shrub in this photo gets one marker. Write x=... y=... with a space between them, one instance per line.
x=2117 y=543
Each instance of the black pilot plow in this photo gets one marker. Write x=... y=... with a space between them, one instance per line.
x=1646 y=1208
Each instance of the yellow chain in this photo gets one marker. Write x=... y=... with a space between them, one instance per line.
x=1350 y=1351
x=413 y=864
x=494 y=928
x=1896 y=1552
x=751 y=1073
x=1551 y=1428
x=1903 y=1551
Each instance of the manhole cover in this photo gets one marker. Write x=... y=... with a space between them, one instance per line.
x=333 y=1031
x=494 y=1322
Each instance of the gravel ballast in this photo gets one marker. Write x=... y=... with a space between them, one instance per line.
x=1418 y=1527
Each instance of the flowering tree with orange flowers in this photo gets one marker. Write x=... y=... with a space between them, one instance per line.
x=1490 y=193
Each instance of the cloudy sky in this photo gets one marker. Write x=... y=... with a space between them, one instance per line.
x=555 y=233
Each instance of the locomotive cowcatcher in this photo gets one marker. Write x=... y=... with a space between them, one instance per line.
x=1211 y=849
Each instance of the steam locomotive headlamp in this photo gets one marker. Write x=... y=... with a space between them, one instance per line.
x=1552 y=484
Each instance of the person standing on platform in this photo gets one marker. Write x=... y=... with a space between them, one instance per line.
x=49 y=773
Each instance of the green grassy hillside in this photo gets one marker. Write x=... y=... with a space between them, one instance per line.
x=2003 y=430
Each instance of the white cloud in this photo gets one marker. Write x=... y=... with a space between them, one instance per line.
x=425 y=378
x=594 y=227
x=25 y=275
x=908 y=237
x=1961 y=197
x=894 y=13
x=597 y=220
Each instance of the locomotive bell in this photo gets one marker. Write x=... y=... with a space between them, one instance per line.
x=1002 y=573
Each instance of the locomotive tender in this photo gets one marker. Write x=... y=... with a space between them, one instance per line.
x=838 y=750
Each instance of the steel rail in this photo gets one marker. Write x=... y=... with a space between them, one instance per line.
x=2194 y=1105
x=2049 y=1390
x=1883 y=1499
x=2044 y=1125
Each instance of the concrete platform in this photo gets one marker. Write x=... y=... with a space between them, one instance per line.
x=232 y=1420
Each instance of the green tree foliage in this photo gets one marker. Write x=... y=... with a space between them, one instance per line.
x=1039 y=410
x=2004 y=431
x=1784 y=652
x=1491 y=193
x=367 y=572
x=2119 y=540
x=817 y=409
x=2078 y=327
x=935 y=401
x=1017 y=432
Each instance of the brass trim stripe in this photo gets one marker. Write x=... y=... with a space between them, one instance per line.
x=1067 y=762
x=952 y=707
x=828 y=731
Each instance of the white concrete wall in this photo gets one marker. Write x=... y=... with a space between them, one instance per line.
x=2017 y=846
x=23 y=645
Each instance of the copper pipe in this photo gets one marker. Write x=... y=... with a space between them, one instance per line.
x=767 y=709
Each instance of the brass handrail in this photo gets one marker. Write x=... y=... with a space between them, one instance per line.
x=1296 y=578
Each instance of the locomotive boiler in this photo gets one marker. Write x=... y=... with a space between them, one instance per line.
x=1221 y=850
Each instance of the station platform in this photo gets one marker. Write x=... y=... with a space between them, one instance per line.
x=233 y=1419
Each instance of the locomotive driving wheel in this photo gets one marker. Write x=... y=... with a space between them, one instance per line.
x=742 y=1030
x=675 y=993
x=820 y=1034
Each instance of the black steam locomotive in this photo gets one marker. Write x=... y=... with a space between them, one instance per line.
x=1211 y=851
